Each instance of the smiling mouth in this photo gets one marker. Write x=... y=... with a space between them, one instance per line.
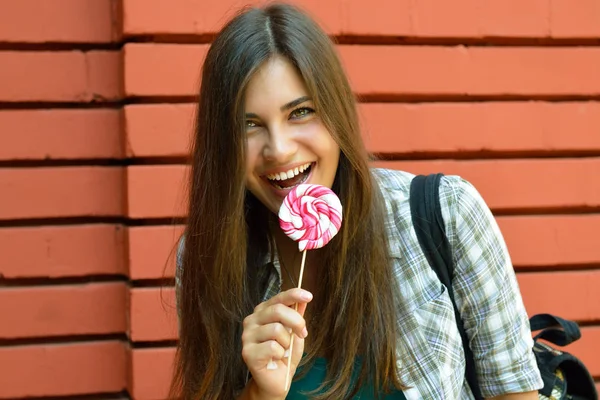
x=291 y=178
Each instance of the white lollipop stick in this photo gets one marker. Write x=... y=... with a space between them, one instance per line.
x=287 y=375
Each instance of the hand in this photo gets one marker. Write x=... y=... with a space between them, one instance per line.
x=266 y=337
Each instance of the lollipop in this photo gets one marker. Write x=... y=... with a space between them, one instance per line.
x=311 y=215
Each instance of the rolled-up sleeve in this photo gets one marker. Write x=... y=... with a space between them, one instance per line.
x=487 y=293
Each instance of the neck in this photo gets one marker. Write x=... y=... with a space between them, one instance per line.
x=284 y=245
x=290 y=261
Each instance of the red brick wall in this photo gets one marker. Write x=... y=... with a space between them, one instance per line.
x=95 y=114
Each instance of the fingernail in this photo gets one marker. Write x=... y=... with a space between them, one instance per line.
x=306 y=296
x=286 y=353
x=272 y=365
x=304 y=332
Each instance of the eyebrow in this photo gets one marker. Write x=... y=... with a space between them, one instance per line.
x=286 y=106
x=294 y=103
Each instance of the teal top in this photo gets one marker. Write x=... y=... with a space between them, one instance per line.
x=316 y=375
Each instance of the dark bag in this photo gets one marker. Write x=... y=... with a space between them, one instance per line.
x=564 y=376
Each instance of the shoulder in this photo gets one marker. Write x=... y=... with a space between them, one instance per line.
x=459 y=201
x=455 y=190
x=463 y=206
x=395 y=185
x=392 y=181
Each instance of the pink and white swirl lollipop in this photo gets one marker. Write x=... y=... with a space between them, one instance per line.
x=311 y=215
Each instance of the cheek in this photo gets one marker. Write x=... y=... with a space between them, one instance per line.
x=252 y=156
x=327 y=146
x=332 y=146
x=318 y=137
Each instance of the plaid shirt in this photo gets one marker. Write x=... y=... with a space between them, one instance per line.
x=430 y=353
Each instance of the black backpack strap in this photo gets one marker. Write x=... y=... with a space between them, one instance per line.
x=428 y=222
x=429 y=225
x=557 y=330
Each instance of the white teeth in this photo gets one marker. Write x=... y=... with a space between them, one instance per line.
x=281 y=176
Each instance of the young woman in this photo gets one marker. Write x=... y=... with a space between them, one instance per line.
x=276 y=110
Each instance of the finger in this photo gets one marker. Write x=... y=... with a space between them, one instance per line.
x=298 y=350
x=284 y=315
x=302 y=308
x=259 y=354
x=287 y=298
x=274 y=331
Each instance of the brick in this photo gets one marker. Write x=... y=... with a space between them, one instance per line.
x=459 y=18
x=62 y=251
x=179 y=72
x=381 y=17
x=432 y=19
x=158 y=129
x=581 y=300
x=481 y=127
x=533 y=183
x=510 y=18
x=61 y=192
x=54 y=134
x=62 y=369
x=383 y=70
x=542 y=241
x=164 y=130
x=71 y=21
x=152 y=314
x=63 y=310
x=404 y=18
x=60 y=76
x=156 y=191
x=500 y=71
x=151 y=371
x=575 y=19
x=159 y=17
x=152 y=251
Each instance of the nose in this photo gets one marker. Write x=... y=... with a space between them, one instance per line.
x=280 y=147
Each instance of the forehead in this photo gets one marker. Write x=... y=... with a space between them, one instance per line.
x=275 y=83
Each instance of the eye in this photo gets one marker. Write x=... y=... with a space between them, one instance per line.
x=251 y=124
x=301 y=112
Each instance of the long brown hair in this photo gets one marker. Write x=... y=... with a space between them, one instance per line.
x=227 y=234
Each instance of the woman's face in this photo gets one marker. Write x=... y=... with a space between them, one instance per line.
x=287 y=141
